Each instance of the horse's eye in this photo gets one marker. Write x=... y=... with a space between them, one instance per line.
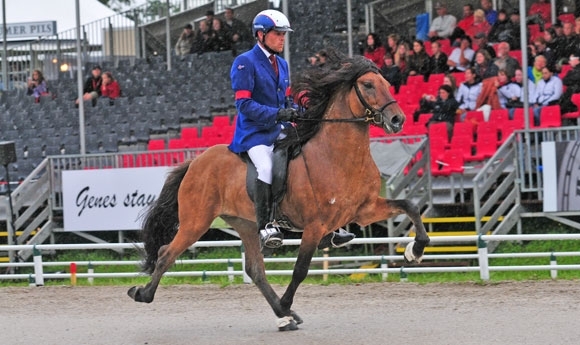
x=368 y=85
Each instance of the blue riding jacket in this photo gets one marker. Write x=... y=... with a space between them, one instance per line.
x=259 y=94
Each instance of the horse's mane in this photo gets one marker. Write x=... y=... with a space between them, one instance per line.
x=314 y=89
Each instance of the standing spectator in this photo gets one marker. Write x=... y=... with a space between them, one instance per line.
x=535 y=72
x=220 y=39
x=92 y=87
x=479 y=25
x=548 y=92
x=444 y=24
x=185 y=41
x=444 y=108
x=203 y=38
x=504 y=61
x=468 y=92
x=500 y=30
x=402 y=57
x=392 y=43
x=238 y=32
x=37 y=85
x=110 y=88
x=490 y=13
x=374 y=50
x=419 y=61
x=392 y=72
x=438 y=59
x=460 y=58
x=572 y=83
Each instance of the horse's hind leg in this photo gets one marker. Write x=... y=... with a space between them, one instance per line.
x=185 y=237
x=256 y=270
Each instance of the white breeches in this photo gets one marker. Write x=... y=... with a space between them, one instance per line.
x=261 y=156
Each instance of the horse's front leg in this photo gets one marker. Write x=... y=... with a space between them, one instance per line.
x=391 y=208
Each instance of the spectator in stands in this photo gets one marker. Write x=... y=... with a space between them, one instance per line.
x=391 y=72
x=220 y=39
x=542 y=10
x=438 y=59
x=569 y=41
x=539 y=47
x=508 y=92
x=392 y=43
x=92 y=87
x=548 y=92
x=374 y=50
x=462 y=25
x=460 y=58
x=572 y=82
x=444 y=108
x=419 y=61
x=238 y=32
x=500 y=30
x=209 y=15
x=480 y=40
x=468 y=92
x=37 y=85
x=110 y=87
x=443 y=25
x=449 y=79
x=425 y=107
x=514 y=31
x=486 y=70
x=203 y=38
x=504 y=61
x=554 y=42
x=484 y=66
x=402 y=57
x=479 y=25
x=535 y=72
x=490 y=13
x=185 y=41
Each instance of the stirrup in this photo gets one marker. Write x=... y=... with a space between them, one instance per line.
x=336 y=239
x=271 y=236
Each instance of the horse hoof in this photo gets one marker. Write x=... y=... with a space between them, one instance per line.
x=409 y=256
x=132 y=292
x=296 y=318
x=137 y=296
x=287 y=323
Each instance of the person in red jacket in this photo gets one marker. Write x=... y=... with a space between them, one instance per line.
x=374 y=50
x=110 y=88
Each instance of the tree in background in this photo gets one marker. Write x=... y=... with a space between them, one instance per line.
x=117 y=5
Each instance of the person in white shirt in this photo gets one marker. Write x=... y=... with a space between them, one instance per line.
x=468 y=92
x=444 y=24
x=548 y=92
x=460 y=58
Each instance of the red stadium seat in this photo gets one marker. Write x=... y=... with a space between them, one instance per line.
x=575 y=115
x=550 y=116
x=156 y=144
x=498 y=116
x=463 y=128
x=567 y=18
x=451 y=162
x=221 y=121
x=488 y=129
x=474 y=116
x=516 y=54
x=486 y=146
x=565 y=69
x=464 y=144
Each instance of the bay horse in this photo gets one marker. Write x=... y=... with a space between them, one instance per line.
x=332 y=182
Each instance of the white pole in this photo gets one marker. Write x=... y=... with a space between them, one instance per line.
x=80 y=81
x=4 y=48
x=230 y=269
x=287 y=42
x=168 y=36
x=90 y=270
x=384 y=266
x=553 y=262
x=38 y=273
x=483 y=260
x=349 y=26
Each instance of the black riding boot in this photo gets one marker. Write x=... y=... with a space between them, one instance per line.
x=270 y=235
x=336 y=239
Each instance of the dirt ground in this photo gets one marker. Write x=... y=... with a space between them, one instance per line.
x=543 y=312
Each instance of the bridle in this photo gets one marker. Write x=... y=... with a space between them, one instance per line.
x=372 y=115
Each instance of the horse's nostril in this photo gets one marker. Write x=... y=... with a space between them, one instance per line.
x=396 y=120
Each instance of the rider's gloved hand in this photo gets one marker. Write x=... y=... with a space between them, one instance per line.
x=287 y=115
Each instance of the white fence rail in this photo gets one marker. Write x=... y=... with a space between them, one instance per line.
x=482 y=256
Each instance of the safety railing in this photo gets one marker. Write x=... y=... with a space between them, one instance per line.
x=482 y=258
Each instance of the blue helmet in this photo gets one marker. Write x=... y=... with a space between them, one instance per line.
x=270 y=20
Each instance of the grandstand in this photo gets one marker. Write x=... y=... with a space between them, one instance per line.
x=488 y=172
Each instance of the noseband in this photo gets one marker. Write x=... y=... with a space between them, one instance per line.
x=372 y=115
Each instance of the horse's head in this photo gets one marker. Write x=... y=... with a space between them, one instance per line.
x=372 y=99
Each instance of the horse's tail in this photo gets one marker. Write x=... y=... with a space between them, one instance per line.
x=161 y=219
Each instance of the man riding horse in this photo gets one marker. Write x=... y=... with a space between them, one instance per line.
x=261 y=81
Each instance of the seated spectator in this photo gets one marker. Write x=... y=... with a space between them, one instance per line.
x=490 y=13
x=484 y=66
x=479 y=25
x=419 y=61
x=535 y=72
x=513 y=93
x=500 y=30
x=572 y=83
x=185 y=41
x=438 y=59
x=220 y=39
x=449 y=80
x=444 y=108
x=548 y=92
x=443 y=25
x=392 y=43
x=401 y=57
x=460 y=58
x=504 y=61
x=92 y=87
x=554 y=42
x=37 y=85
x=541 y=48
x=238 y=32
x=486 y=70
x=508 y=92
x=468 y=92
x=110 y=88
x=374 y=50
x=425 y=106
x=203 y=39
x=482 y=43
x=391 y=72
x=462 y=25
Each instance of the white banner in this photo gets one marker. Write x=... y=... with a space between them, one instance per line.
x=109 y=199
x=33 y=29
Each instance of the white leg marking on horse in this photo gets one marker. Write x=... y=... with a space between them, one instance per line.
x=409 y=253
x=284 y=321
x=332 y=201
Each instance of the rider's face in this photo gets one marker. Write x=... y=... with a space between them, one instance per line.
x=275 y=40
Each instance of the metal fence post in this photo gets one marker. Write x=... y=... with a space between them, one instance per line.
x=553 y=262
x=38 y=273
x=111 y=42
x=483 y=259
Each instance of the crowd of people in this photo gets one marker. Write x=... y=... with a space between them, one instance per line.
x=214 y=35
x=479 y=46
